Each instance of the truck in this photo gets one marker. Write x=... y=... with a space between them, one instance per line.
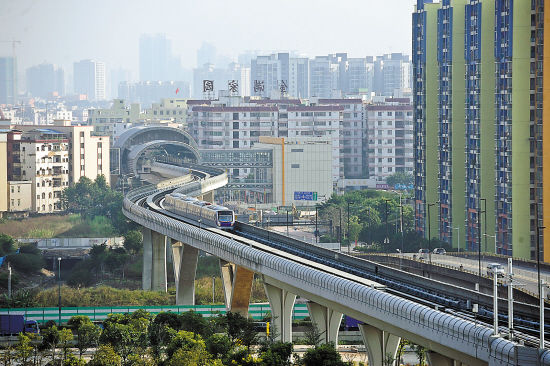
x=13 y=324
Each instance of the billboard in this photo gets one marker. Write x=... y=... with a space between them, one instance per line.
x=305 y=196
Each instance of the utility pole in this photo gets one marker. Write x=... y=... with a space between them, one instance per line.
x=349 y=242
x=340 y=228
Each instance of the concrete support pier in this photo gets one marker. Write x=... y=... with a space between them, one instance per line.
x=281 y=303
x=326 y=320
x=185 y=259
x=381 y=346
x=237 y=285
x=154 y=261
x=146 y=274
x=159 y=280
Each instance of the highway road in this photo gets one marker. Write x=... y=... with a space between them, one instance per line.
x=526 y=277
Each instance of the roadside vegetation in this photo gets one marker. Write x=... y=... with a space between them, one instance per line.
x=374 y=219
x=168 y=339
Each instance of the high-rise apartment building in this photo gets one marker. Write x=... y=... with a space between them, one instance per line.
x=89 y=79
x=44 y=80
x=480 y=161
x=389 y=136
x=267 y=73
x=327 y=76
x=391 y=72
x=8 y=80
x=45 y=162
x=298 y=77
x=360 y=75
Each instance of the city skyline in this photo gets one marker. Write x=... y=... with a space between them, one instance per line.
x=60 y=38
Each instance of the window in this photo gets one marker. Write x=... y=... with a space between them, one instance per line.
x=294 y=166
x=297 y=150
x=390 y=114
x=379 y=114
x=12 y=189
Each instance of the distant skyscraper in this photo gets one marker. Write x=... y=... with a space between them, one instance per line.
x=89 y=79
x=360 y=74
x=327 y=78
x=44 y=80
x=207 y=54
x=156 y=61
x=267 y=73
x=298 y=77
x=392 y=72
x=8 y=80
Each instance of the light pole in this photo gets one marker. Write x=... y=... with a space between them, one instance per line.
x=340 y=229
x=387 y=239
x=316 y=229
x=458 y=237
x=349 y=242
x=9 y=282
x=541 y=286
x=430 y=233
x=495 y=305
x=59 y=287
x=401 y=225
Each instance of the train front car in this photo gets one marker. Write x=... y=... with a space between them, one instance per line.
x=225 y=218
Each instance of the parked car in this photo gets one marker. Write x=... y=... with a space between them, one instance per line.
x=493 y=268
x=439 y=251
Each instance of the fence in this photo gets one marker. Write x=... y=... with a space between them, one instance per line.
x=42 y=315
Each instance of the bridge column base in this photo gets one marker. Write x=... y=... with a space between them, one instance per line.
x=381 y=346
x=237 y=285
x=159 y=278
x=281 y=303
x=185 y=266
x=437 y=359
x=146 y=274
x=326 y=320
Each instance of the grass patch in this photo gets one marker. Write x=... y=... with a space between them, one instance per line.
x=57 y=226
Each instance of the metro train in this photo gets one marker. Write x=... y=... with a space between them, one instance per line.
x=208 y=213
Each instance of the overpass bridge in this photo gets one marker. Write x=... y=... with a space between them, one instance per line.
x=332 y=289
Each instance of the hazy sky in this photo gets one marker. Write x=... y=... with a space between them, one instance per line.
x=62 y=31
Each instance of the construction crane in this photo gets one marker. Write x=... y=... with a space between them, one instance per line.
x=14 y=76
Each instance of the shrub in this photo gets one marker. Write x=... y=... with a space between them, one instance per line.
x=26 y=262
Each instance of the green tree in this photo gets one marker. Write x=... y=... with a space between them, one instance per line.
x=400 y=178
x=23 y=349
x=65 y=339
x=77 y=320
x=196 y=356
x=325 y=354
x=7 y=244
x=133 y=241
x=276 y=354
x=87 y=336
x=219 y=345
x=240 y=329
x=105 y=356
x=194 y=322
x=50 y=339
x=184 y=340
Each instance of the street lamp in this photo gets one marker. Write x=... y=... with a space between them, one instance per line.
x=541 y=286
x=430 y=232
x=316 y=229
x=458 y=237
x=59 y=287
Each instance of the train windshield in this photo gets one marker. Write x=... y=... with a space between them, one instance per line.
x=225 y=216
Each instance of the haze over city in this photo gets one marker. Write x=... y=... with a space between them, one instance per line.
x=274 y=182
x=64 y=31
